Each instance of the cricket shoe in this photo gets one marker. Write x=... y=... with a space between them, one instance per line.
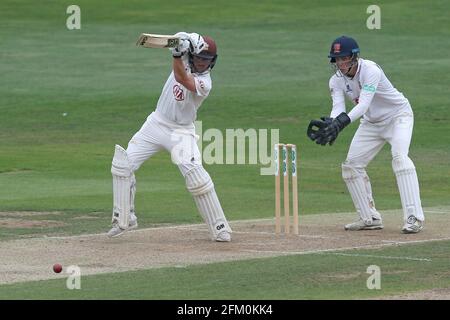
x=224 y=236
x=412 y=225
x=117 y=231
x=375 y=224
x=375 y=214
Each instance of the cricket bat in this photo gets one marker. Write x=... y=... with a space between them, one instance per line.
x=149 y=40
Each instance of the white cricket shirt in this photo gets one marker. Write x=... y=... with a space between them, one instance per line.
x=371 y=92
x=178 y=104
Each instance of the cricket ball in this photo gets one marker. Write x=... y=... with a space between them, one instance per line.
x=57 y=268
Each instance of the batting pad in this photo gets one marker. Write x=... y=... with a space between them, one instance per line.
x=200 y=185
x=408 y=186
x=356 y=185
x=124 y=187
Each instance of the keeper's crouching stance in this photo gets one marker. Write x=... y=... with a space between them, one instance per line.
x=386 y=117
x=171 y=127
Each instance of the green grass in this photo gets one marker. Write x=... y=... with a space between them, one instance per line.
x=272 y=73
x=282 y=278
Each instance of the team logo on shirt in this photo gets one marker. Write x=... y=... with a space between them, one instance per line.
x=202 y=84
x=369 y=88
x=178 y=93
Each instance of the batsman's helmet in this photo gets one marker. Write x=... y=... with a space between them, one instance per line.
x=209 y=52
x=343 y=47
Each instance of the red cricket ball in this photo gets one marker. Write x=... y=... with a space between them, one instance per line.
x=57 y=268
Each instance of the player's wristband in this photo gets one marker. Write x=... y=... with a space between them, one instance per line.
x=176 y=57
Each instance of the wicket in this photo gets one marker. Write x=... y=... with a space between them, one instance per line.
x=293 y=159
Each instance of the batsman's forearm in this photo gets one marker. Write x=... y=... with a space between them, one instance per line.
x=181 y=76
x=179 y=70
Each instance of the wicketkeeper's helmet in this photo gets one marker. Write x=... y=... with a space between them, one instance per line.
x=343 y=47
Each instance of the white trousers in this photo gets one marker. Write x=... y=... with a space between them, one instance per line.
x=181 y=142
x=369 y=139
x=156 y=135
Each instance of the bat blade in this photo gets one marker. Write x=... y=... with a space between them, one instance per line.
x=150 y=40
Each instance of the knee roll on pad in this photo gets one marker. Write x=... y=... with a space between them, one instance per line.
x=349 y=171
x=121 y=164
x=198 y=181
x=402 y=163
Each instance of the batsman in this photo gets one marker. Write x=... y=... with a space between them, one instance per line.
x=385 y=116
x=171 y=127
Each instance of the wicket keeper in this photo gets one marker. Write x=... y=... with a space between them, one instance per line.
x=385 y=116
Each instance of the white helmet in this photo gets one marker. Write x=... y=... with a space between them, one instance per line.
x=197 y=43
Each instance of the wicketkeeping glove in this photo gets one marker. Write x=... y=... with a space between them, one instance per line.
x=317 y=131
x=331 y=131
x=316 y=127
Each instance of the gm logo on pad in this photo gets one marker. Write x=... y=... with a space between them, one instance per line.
x=220 y=226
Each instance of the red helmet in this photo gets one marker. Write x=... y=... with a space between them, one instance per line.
x=210 y=48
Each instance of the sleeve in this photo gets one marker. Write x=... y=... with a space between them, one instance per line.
x=203 y=85
x=369 y=83
x=338 y=97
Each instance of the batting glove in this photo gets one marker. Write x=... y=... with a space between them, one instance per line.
x=181 y=49
x=182 y=35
